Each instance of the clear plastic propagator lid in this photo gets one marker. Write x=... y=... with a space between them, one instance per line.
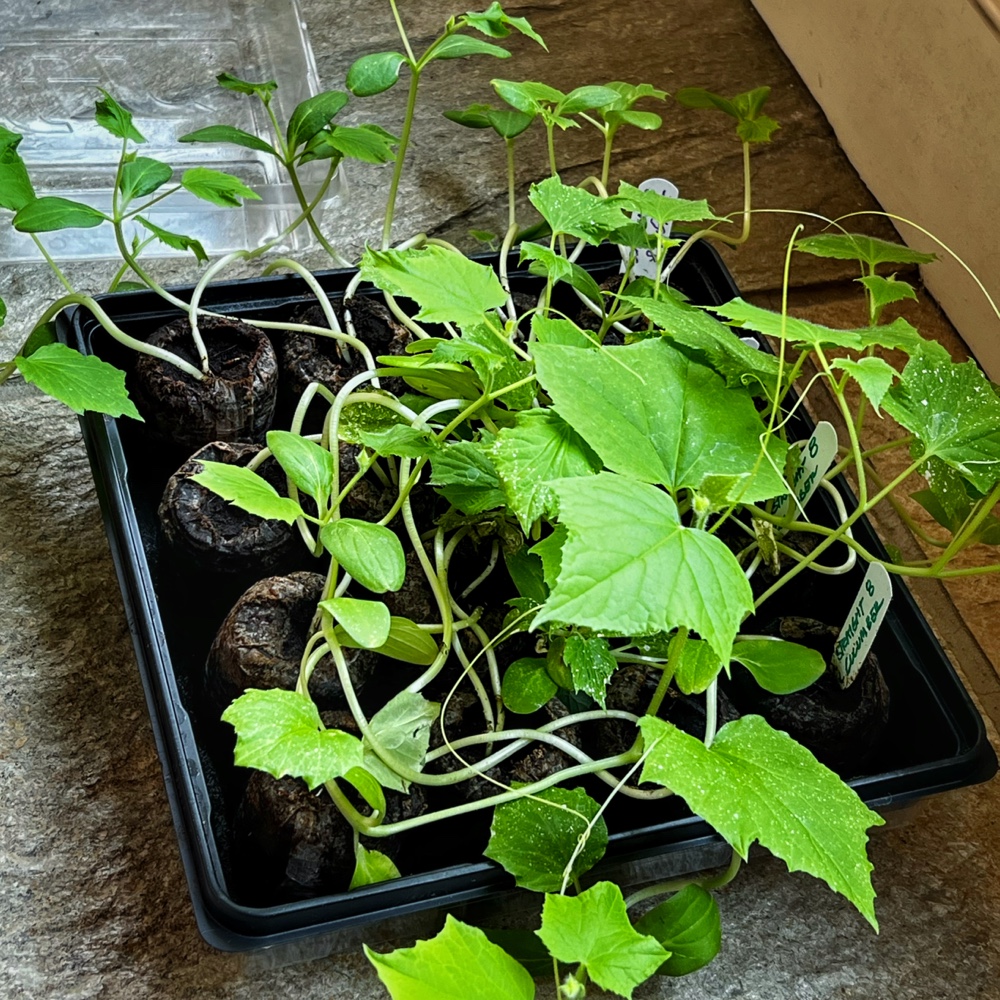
x=160 y=59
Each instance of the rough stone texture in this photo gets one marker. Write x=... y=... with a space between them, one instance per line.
x=92 y=891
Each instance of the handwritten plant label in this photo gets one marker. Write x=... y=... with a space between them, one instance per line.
x=818 y=454
x=862 y=625
x=645 y=262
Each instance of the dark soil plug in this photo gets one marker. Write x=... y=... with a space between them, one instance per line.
x=260 y=644
x=235 y=402
x=211 y=533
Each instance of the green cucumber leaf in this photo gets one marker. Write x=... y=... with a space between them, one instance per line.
x=44 y=333
x=527 y=686
x=874 y=376
x=538 y=449
x=653 y=578
x=371 y=867
x=366 y=622
x=217 y=187
x=866 y=249
x=652 y=413
x=280 y=732
x=460 y=963
x=447 y=286
x=587 y=98
x=780 y=667
x=368 y=787
x=534 y=840
x=143 y=176
x=49 y=214
x=593 y=929
x=688 y=925
x=81 y=381
x=247 y=490
x=590 y=665
x=307 y=464
x=897 y=334
x=549 y=551
x=660 y=208
x=885 y=291
x=576 y=212
x=757 y=783
x=706 y=340
x=229 y=134
x=174 y=240
x=371 y=553
x=528 y=97
x=374 y=73
x=954 y=412
x=110 y=115
x=359 y=418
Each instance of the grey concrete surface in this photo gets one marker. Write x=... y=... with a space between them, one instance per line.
x=93 y=902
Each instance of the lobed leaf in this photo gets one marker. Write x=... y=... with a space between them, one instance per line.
x=651 y=413
x=874 y=376
x=496 y=24
x=534 y=840
x=402 y=727
x=539 y=448
x=660 y=208
x=885 y=291
x=263 y=90
x=280 y=732
x=757 y=783
x=868 y=250
x=467 y=476
x=447 y=286
x=459 y=963
x=81 y=381
x=653 y=578
x=593 y=929
x=576 y=212
x=954 y=412
x=590 y=665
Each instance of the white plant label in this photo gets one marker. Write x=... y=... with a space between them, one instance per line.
x=645 y=259
x=818 y=454
x=862 y=625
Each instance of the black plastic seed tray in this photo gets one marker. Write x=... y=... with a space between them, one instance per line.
x=935 y=739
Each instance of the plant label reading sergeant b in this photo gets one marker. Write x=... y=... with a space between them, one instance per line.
x=862 y=624
x=645 y=260
x=818 y=454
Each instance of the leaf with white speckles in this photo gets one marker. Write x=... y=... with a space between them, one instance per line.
x=757 y=783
